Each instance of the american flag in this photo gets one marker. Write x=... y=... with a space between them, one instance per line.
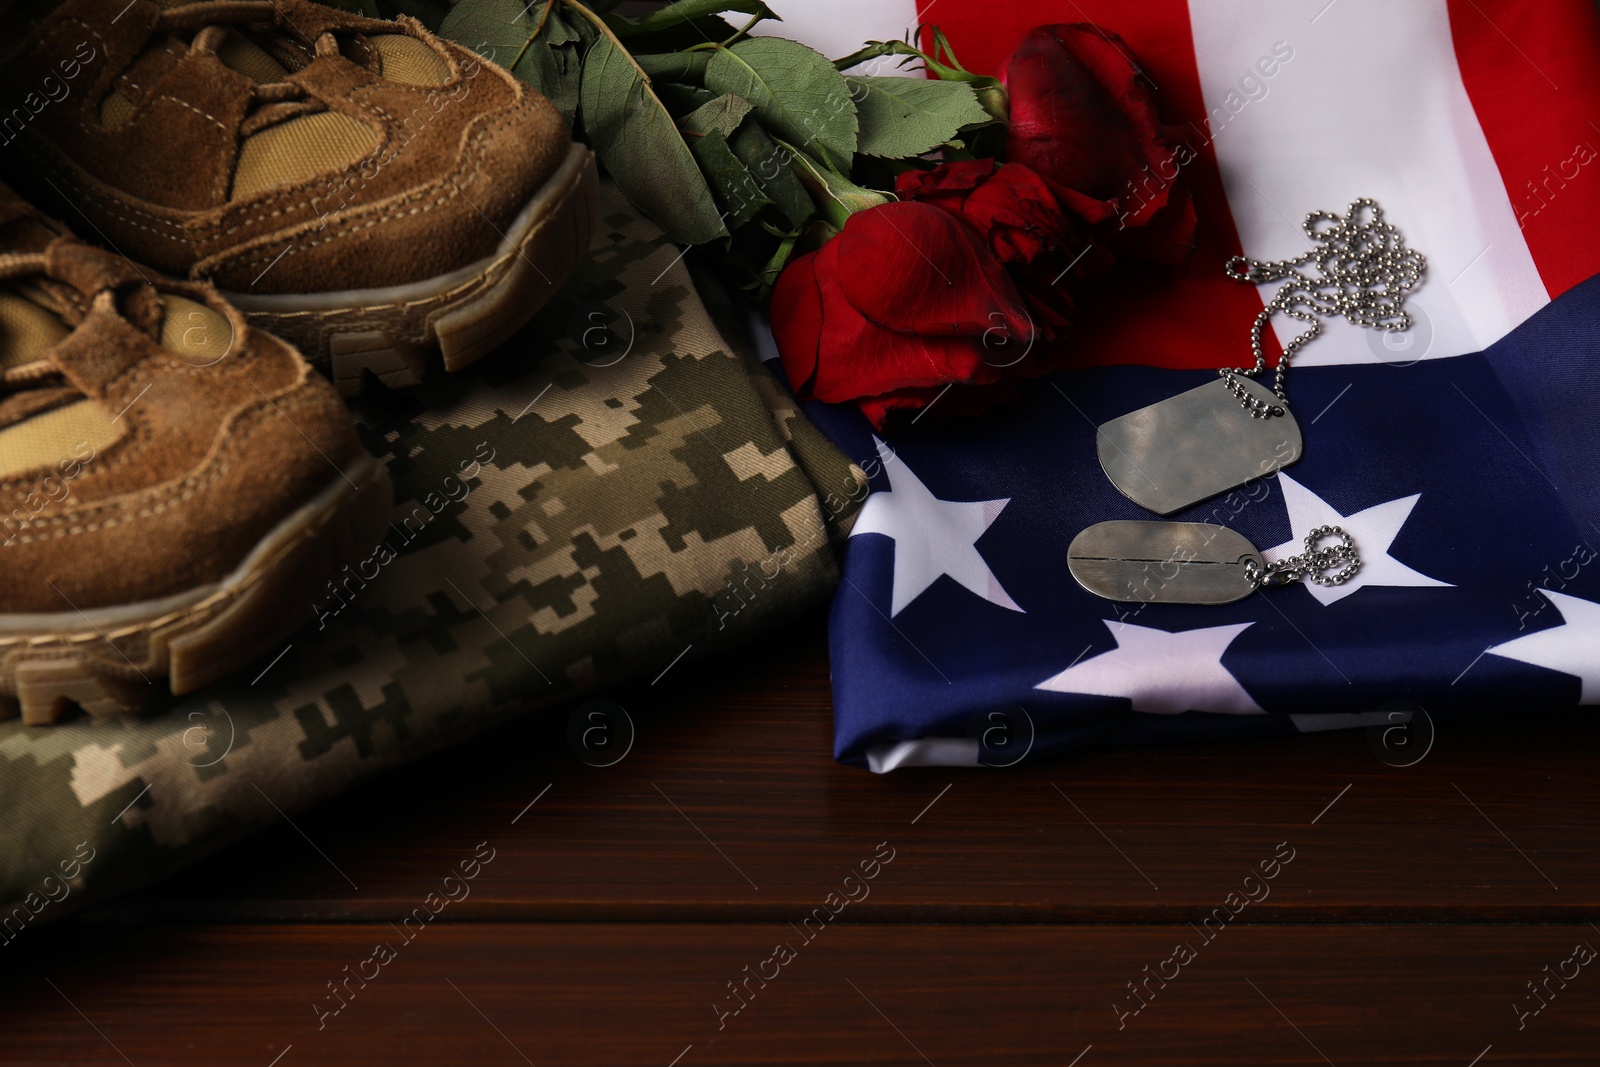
x=1459 y=455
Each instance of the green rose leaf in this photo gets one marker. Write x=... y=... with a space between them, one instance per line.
x=504 y=31
x=836 y=195
x=497 y=29
x=721 y=115
x=630 y=129
x=796 y=92
x=707 y=130
x=736 y=188
x=903 y=117
x=681 y=99
x=676 y=66
x=770 y=165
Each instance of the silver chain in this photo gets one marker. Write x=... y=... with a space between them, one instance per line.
x=1314 y=564
x=1365 y=269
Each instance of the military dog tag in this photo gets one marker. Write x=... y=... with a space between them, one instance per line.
x=1144 y=562
x=1181 y=450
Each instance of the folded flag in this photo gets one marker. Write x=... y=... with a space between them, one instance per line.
x=958 y=629
x=1458 y=455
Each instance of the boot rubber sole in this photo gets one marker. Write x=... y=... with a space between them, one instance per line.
x=109 y=661
x=391 y=332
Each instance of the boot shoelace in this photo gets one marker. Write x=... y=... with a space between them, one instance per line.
x=211 y=20
x=43 y=372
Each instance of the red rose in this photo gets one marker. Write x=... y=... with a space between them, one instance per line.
x=1011 y=206
x=1022 y=222
x=1084 y=117
x=905 y=301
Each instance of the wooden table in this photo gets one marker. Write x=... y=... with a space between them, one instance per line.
x=630 y=914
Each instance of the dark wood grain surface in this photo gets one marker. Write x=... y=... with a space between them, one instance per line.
x=1407 y=912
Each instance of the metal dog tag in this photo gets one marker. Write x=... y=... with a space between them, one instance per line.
x=1197 y=444
x=1145 y=562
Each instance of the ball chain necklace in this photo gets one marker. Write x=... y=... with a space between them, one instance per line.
x=1366 y=273
x=1179 y=451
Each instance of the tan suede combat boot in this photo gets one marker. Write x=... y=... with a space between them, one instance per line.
x=171 y=480
x=360 y=188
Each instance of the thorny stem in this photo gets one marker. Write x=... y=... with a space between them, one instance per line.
x=739 y=34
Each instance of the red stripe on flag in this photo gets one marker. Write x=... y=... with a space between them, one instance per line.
x=1533 y=77
x=1532 y=72
x=1191 y=318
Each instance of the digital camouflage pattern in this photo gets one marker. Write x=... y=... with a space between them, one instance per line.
x=616 y=485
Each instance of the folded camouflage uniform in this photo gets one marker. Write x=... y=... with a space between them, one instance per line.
x=613 y=486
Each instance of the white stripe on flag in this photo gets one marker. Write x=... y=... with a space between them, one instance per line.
x=1370 y=104
x=838 y=27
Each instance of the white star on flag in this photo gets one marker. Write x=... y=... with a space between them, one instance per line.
x=932 y=537
x=1571 y=648
x=1161 y=672
x=1373 y=530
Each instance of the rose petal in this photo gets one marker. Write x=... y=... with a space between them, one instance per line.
x=907 y=297
x=856 y=357
x=916 y=269
x=796 y=312
x=1080 y=114
x=1020 y=215
x=1084 y=116
x=946 y=185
